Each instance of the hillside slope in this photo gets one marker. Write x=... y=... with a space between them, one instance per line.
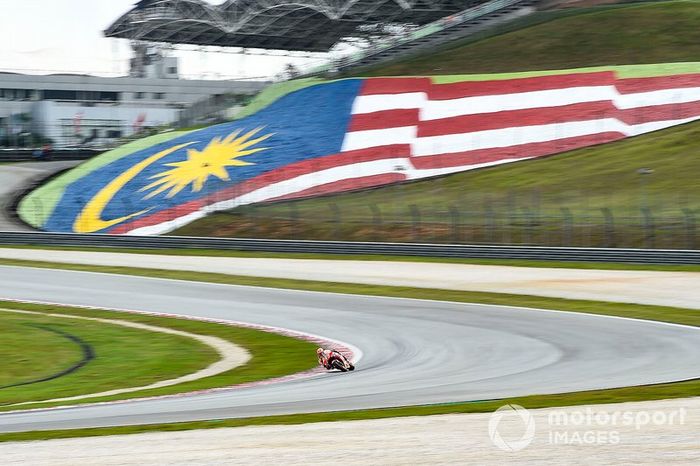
x=497 y=204
x=627 y=34
x=357 y=133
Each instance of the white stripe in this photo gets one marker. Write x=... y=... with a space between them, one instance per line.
x=436 y=109
x=321 y=177
x=381 y=102
x=635 y=130
x=428 y=172
x=283 y=188
x=506 y=137
x=168 y=226
x=379 y=137
x=662 y=97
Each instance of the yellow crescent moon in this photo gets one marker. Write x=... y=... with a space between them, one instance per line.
x=90 y=218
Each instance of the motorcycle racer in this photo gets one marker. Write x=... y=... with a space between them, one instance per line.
x=326 y=358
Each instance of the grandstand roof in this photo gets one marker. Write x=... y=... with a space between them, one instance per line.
x=303 y=25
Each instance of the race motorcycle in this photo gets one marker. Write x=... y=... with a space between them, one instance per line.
x=337 y=361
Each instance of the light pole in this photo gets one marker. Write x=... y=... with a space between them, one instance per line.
x=643 y=186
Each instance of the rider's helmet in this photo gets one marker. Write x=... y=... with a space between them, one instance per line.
x=319 y=352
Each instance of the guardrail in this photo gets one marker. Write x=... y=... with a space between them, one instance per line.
x=634 y=256
x=25 y=155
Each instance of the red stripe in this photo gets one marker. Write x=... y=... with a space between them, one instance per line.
x=275 y=176
x=385 y=119
x=375 y=86
x=521 y=151
x=340 y=186
x=518 y=118
x=512 y=86
x=159 y=217
x=634 y=85
x=639 y=115
x=314 y=165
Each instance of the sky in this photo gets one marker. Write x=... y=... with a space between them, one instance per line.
x=44 y=36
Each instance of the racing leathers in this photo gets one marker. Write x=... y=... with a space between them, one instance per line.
x=325 y=356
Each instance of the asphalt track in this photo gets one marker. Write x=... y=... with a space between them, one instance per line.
x=19 y=176
x=414 y=352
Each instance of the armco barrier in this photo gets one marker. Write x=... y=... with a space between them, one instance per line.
x=28 y=155
x=635 y=256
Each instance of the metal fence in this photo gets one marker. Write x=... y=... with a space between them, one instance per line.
x=452 y=224
x=40 y=153
x=643 y=222
x=640 y=256
x=212 y=110
x=96 y=134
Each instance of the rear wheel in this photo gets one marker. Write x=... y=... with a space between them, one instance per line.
x=338 y=364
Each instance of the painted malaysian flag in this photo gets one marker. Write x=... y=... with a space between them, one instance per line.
x=464 y=125
x=360 y=133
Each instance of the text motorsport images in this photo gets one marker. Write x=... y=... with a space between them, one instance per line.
x=513 y=428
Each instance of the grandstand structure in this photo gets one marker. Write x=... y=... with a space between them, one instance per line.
x=292 y=25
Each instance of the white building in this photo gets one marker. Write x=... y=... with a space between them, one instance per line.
x=81 y=109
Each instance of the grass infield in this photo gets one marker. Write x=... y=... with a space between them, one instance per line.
x=129 y=358
x=38 y=352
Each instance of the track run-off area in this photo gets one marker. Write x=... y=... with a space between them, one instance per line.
x=414 y=352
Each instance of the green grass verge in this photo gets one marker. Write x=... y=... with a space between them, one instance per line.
x=623 y=72
x=264 y=349
x=524 y=201
x=640 y=393
x=348 y=257
x=606 y=35
x=124 y=357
